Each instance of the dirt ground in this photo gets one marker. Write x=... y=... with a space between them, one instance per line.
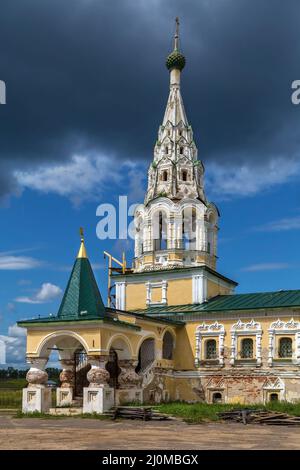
x=76 y=433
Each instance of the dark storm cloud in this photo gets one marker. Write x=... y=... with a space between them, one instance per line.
x=89 y=75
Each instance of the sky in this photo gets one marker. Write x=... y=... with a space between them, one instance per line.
x=86 y=87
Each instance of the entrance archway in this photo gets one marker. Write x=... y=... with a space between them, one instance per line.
x=113 y=368
x=72 y=353
x=146 y=355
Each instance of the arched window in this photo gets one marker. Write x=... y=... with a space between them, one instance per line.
x=211 y=349
x=165 y=175
x=285 y=347
x=181 y=150
x=184 y=175
x=189 y=226
x=217 y=397
x=168 y=345
x=166 y=150
x=247 y=348
x=160 y=231
x=146 y=355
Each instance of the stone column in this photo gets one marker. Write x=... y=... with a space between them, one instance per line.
x=233 y=348
x=198 y=349
x=271 y=348
x=130 y=383
x=128 y=378
x=98 y=375
x=64 y=393
x=98 y=397
x=221 y=349
x=258 y=348
x=37 y=396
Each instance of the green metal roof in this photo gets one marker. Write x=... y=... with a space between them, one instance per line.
x=260 y=300
x=82 y=298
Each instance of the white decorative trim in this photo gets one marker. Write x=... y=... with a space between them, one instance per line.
x=121 y=295
x=246 y=328
x=199 y=288
x=273 y=384
x=164 y=290
x=214 y=329
x=280 y=327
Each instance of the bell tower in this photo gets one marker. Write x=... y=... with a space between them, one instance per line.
x=176 y=226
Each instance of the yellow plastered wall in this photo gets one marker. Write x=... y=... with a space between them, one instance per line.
x=179 y=292
x=136 y=296
x=214 y=289
x=90 y=336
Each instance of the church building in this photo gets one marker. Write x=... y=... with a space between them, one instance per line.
x=176 y=329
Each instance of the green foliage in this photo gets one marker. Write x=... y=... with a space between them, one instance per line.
x=201 y=412
x=10 y=398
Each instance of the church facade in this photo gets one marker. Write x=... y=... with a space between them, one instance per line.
x=177 y=330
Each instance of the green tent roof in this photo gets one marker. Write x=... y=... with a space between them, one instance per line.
x=82 y=298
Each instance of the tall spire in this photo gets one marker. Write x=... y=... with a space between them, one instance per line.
x=82 y=251
x=175 y=171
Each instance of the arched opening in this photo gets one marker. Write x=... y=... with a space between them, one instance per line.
x=81 y=368
x=189 y=228
x=160 y=231
x=166 y=150
x=146 y=355
x=211 y=229
x=165 y=175
x=274 y=397
x=217 y=397
x=247 y=348
x=72 y=355
x=211 y=349
x=285 y=348
x=168 y=346
x=184 y=175
x=113 y=368
x=181 y=150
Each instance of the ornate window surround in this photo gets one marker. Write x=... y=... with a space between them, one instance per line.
x=282 y=328
x=213 y=330
x=246 y=329
x=152 y=285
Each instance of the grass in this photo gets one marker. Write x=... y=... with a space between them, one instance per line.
x=16 y=384
x=203 y=412
x=36 y=414
x=10 y=398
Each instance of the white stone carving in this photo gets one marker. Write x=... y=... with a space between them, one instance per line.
x=213 y=329
x=281 y=327
x=246 y=328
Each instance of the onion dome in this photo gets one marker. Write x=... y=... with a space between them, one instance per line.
x=175 y=60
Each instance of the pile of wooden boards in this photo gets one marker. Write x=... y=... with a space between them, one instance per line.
x=247 y=416
x=130 y=412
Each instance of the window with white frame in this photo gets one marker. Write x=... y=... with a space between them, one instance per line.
x=282 y=336
x=210 y=343
x=246 y=329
